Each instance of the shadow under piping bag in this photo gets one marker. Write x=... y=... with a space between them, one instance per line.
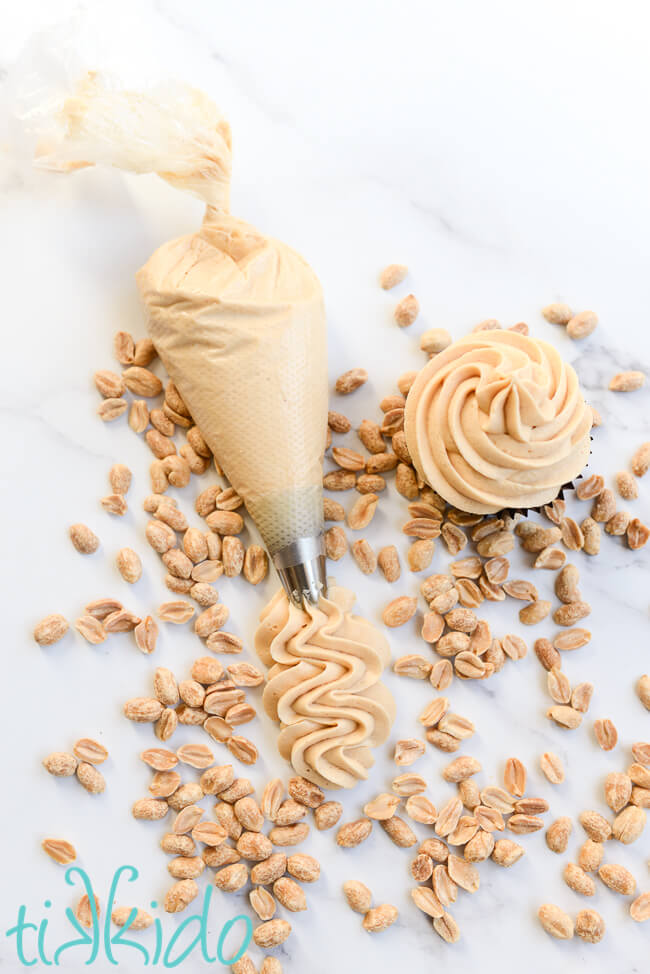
x=237 y=317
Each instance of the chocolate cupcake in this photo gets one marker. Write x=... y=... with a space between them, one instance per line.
x=498 y=422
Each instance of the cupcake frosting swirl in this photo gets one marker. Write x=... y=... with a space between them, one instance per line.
x=497 y=420
x=323 y=686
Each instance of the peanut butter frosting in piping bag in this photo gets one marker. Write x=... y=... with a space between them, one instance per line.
x=237 y=317
x=497 y=420
x=238 y=320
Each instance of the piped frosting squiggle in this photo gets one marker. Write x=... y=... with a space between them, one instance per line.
x=323 y=686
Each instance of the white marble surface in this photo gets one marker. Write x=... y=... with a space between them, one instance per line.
x=501 y=151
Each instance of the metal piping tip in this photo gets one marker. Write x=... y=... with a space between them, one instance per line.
x=301 y=567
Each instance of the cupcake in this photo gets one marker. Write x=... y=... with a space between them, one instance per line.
x=497 y=421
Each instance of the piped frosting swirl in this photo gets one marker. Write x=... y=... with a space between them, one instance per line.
x=497 y=420
x=323 y=686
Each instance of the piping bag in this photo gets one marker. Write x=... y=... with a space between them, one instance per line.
x=239 y=323
x=237 y=317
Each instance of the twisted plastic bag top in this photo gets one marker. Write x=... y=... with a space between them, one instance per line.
x=237 y=317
